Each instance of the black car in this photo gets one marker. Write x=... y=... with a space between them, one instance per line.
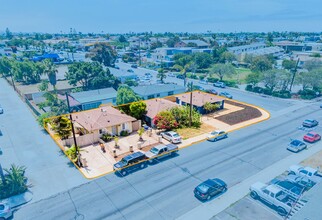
x=310 y=123
x=210 y=188
x=130 y=163
x=134 y=66
x=180 y=76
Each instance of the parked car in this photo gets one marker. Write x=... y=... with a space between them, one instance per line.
x=1 y=110
x=204 y=81
x=212 y=91
x=200 y=88
x=226 y=94
x=148 y=75
x=116 y=67
x=220 y=84
x=134 y=66
x=217 y=135
x=296 y=146
x=301 y=180
x=180 y=76
x=130 y=71
x=160 y=151
x=5 y=211
x=130 y=163
x=310 y=123
x=171 y=74
x=312 y=137
x=209 y=188
x=171 y=136
x=308 y=172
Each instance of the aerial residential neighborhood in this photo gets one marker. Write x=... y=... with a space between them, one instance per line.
x=161 y=110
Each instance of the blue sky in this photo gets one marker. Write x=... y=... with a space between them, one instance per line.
x=122 y=16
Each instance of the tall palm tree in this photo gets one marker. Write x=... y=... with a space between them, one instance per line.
x=183 y=70
x=51 y=71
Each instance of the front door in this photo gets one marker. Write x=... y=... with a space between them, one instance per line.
x=114 y=130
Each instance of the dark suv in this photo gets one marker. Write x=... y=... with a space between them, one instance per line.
x=209 y=188
x=130 y=163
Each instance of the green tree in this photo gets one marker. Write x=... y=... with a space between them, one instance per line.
x=223 y=70
x=126 y=95
x=289 y=64
x=165 y=120
x=103 y=53
x=312 y=64
x=227 y=57
x=43 y=87
x=161 y=75
x=202 y=60
x=172 y=41
x=89 y=75
x=9 y=35
x=6 y=65
x=155 y=45
x=43 y=119
x=62 y=127
x=122 y=39
x=271 y=78
x=131 y=82
x=51 y=71
x=138 y=109
x=253 y=78
x=182 y=116
x=27 y=72
x=72 y=153
x=216 y=53
x=183 y=63
x=261 y=64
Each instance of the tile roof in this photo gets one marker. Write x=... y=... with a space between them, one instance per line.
x=199 y=98
x=102 y=117
x=154 y=106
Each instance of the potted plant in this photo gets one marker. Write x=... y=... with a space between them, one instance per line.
x=116 y=140
x=140 y=133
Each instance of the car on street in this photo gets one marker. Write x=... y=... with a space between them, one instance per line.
x=130 y=71
x=212 y=91
x=203 y=81
x=180 y=76
x=226 y=94
x=130 y=163
x=200 y=88
x=1 y=110
x=210 y=188
x=217 y=135
x=311 y=137
x=171 y=74
x=149 y=75
x=134 y=66
x=296 y=146
x=160 y=151
x=5 y=211
x=310 y=123
x=301 y=180
x=171 y=136
x=220 y=84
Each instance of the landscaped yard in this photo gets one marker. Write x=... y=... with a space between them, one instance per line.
x=186 y=133
x=247 y=113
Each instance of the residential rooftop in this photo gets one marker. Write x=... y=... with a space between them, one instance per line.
x=154 y=106
x=199 y=98
x=94 y=95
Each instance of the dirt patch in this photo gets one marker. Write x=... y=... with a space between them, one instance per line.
x=314 y=161
x=186 y=133
x=247 y=113
x=170 y=98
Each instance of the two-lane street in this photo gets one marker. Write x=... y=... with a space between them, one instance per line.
x=165 y=190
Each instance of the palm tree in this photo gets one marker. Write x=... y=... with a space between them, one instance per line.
x=16 y=182
x=183 y=70
x=51 y=71
x=72 y=153
x=161 y=75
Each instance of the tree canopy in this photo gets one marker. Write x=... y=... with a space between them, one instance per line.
x=103 y=53
x=126 y=95
x=222 y=70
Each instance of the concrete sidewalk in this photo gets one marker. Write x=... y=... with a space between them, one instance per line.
x=237 y=192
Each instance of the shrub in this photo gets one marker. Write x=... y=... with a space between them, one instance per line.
x=212 y=79
x=249 y=88
x=201 y=71
x=124 y=133
x=282 y=94
x=267 y=91
x=107 y=137
x=307 y=94
x=258 y=89
x=231 y=83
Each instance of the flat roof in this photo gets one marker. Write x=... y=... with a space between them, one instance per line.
x=94 y=95
x=153 y=89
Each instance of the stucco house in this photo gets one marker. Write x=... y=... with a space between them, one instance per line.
x=199 y=99
x=91 y=125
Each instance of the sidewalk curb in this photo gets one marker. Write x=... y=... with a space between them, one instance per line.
x=19 y=200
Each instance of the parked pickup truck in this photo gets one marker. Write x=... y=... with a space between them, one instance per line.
x=271 y=194
x=161 y=151
x=308 y=172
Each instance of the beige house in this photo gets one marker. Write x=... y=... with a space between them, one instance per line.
x=92 y=124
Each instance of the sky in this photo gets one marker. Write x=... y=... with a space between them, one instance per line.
x=123 y=16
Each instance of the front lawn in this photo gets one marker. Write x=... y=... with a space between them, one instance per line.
x=186 y=133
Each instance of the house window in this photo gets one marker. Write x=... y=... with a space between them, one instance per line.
x=170 y=93
x=123 y=126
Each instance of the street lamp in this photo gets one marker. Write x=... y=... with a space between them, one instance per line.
x=190 y=112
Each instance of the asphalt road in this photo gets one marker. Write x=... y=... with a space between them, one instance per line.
x=165 y=190
x=24 y=143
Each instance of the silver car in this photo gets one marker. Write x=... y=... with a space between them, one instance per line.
x=296 y=146
x=171 y=136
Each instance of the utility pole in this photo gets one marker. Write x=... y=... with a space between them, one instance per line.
x=294 y=72
x=139 y=51
x=73 y=130
x=2 y=176
x=190 y=112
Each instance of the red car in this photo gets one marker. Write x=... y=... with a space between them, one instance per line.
x=311 y=137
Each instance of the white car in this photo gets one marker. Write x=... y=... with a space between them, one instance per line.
x=308 y=172
x=5 y=211
x=217 y=135
x=171 y=75
x=171 y=136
